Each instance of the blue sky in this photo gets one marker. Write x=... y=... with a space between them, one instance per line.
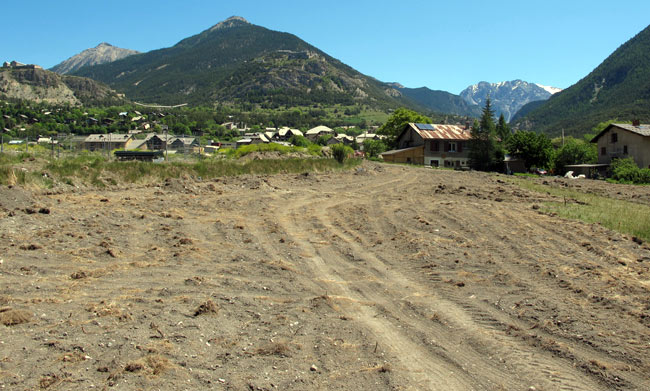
x=444 y=45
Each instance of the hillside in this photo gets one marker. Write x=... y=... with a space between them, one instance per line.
x=507 y=97
x=619 y=88
x=40 y=85
x=439 y=101
x=235 y=61
x=101 y=54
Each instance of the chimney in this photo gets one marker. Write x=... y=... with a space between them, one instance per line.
x=636 y=123
x=466 y=125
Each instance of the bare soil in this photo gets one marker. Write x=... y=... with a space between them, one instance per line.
x=381 y=278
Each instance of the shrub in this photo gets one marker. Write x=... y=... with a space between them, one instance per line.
x=625 y=170
x=341 y=152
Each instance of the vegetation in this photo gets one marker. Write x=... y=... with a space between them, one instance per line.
x=626 y=171
x=396 y=123
x=341 y=152
x=486 y=153
x=534 y=149
x=574 y=151
x=92 y=169
x=374 y=148
x=618 y=215
x=617 y=88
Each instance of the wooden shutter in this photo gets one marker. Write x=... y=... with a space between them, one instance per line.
x=460 y=146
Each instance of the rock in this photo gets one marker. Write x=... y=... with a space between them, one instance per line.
x=313 y=368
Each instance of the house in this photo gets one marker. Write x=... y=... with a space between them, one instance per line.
x=98 y=142
x=284 y=134
x=432 y=145
x=183 y=144
x=318 y=131
x=156 y=142
x=624 y=141
x=368 y=136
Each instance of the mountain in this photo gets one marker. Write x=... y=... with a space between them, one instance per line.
x=235 y=61
x=507 y=97
x=36 y=84
x=100 y=54
x=439 y=101
x=619 y=88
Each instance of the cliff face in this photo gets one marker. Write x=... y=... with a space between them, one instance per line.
x=39 y=85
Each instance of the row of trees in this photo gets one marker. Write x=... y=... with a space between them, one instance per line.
x=491 y=141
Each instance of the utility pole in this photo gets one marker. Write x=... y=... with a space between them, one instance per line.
x=166 y=130
x=562 y=136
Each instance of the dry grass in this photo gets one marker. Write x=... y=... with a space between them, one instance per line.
x=274 y=349
x=153 y=364
x=12 y=317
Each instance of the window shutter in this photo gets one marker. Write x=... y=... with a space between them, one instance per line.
x=446 y=146
x=460 y=146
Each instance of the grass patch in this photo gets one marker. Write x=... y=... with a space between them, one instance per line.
x=96 y=170
x=618 y=215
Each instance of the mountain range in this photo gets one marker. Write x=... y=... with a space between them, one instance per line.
x=238 y=62
x=507 y=97
x=618 y=89
x=235 y=61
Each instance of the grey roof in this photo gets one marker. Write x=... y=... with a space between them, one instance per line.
x=112 y=137
x=643 y=130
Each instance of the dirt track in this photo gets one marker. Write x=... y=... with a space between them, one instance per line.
x=387 y=277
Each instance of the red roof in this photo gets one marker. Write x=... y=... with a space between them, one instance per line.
x=441 y=132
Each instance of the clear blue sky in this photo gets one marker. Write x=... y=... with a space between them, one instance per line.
x=444 y=45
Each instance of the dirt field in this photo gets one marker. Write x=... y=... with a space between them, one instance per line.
x=382 y=278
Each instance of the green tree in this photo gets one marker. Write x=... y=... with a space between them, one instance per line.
x=574 y=151
x=534 y=149
x=503 y=130
x=396 y=123
x=373 y=148
x=485 y=154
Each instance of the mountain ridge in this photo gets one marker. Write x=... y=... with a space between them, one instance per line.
x=507 y=97
x=617 y=89
x=100 y=54
x=235 y=61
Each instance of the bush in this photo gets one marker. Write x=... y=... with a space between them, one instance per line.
x=373 y=148
x=625 y=170
x=341 y=152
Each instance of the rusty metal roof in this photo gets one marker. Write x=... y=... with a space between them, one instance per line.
x=441 y=132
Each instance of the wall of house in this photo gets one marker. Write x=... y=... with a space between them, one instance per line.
x=441 y=156
x=638 y=147
x=410 y=139
x=410 y=156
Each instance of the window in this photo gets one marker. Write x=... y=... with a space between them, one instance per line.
x=451 y=147
x=435 y=163
x=614 y=137
x=624 y=149
x=434 y=146
x=603 y=151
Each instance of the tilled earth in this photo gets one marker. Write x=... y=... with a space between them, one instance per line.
x=381 y=278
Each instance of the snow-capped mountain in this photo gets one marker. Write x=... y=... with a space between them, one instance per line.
x=100 y=54
x=507 y=97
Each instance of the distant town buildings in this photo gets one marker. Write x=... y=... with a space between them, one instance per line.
x=19 y=65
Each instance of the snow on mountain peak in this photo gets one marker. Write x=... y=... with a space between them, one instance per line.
x=550 y=90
